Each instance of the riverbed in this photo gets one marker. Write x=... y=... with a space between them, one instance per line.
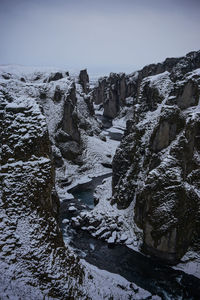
x=149 y=274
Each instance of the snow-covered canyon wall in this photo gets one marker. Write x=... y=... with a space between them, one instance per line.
x=157 y=164
x=114 y=92
x=34 y=260
x=48 y=126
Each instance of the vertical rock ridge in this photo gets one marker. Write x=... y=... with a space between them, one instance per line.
x=159 y=155
x=34 y=261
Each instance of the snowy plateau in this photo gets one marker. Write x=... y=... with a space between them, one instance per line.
x=100 y=188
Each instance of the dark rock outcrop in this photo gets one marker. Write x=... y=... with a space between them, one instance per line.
x=6 y=76
x=185 y=94
x=115 y=95
x=70 y=118
x=34 y=261
x=55 y=76
x=157 y=162
x=70 y=150
x=99 y=90
x=84 y=80
x=58 y=94
x=89 y=101
x=111 y=91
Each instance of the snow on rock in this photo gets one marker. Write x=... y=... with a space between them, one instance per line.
x=38 y=105
x=65 y=221
x=34 y=261
x=72 y=208
x=101 y=284
x=111 y=224
x=190 y=263
x=112 y=239
x=32 y=107
x=123 y=237
x=156 y=165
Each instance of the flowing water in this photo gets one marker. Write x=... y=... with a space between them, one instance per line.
x=146 y=272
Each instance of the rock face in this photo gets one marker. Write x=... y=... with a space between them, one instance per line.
x=70 y=118
x=60 y=109
x=112 y=92
x=55 y=76
x=84 y=80
x=68 y=110
x=157 y=164
x=34 y=261
x=98 y=91
x=115 y=95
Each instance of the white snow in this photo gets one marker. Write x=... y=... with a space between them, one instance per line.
x=125 y=218
x=106 y=285
x=72 y=208
x=115 y=130
x=190 y=263
x=96 y=151
x=193 y=73
x=65 y=221
x=103 y=284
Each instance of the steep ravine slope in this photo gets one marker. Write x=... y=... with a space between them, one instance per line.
x=157 y=164
x=45 y=118
x=154 y=202
x=34 y=261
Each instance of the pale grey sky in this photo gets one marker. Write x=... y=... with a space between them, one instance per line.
x=103 y=36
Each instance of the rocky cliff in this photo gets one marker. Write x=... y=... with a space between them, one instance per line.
x=157 y=164
x=112 y=92
x=34 y=261
x=118 y=90
x=84 y=80
x=48 y=119
x=45 y=119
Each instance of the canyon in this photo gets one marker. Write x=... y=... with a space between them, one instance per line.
x=131 y=143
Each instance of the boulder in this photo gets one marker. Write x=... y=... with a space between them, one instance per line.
x=61 y=136
x=6 y=76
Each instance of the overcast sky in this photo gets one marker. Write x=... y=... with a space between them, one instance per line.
x=102 y=35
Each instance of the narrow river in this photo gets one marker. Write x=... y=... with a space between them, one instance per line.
x=148 y=273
